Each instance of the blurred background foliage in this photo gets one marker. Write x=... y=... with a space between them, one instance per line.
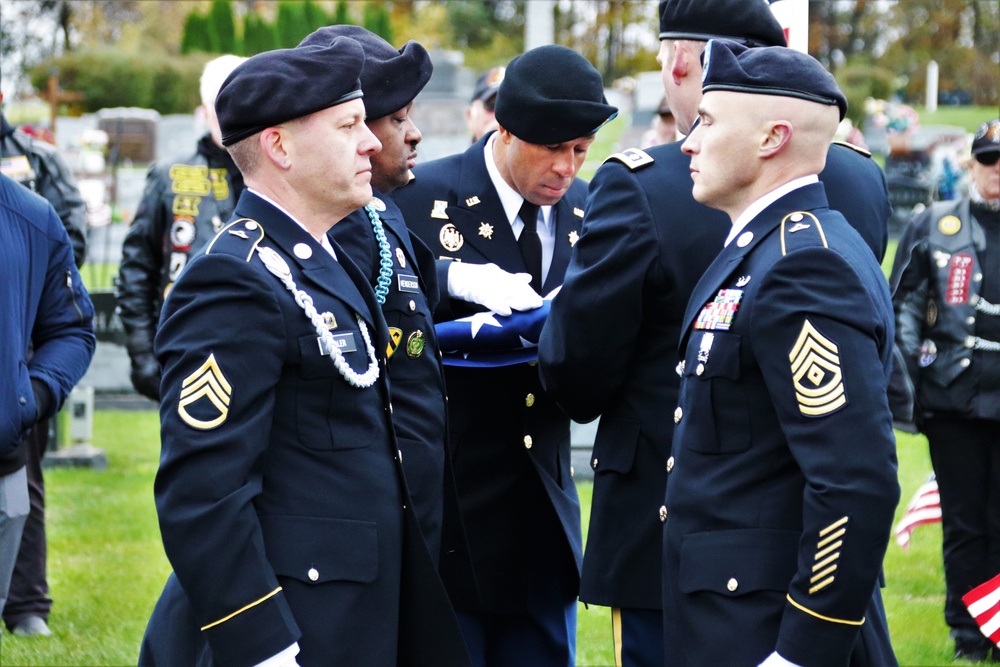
x=148 y=52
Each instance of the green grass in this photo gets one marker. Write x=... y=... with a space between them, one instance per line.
x=98 y=276
x=968 y=117
x=106 y=563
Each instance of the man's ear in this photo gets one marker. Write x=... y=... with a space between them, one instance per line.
x=273 y=143
x=683 y=62
x=777 y=137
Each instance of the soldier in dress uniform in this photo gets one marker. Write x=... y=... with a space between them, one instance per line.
x=400 y=267
x=281 y=499
x=502 y=218
x=780 y=502
x=186 y=200
x=609 y=346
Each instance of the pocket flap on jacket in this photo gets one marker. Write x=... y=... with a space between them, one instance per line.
x=316 y=550
x=735 y=562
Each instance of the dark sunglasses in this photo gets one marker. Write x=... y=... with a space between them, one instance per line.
x=989 y=158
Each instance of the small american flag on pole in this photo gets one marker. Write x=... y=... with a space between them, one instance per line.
x=983 y=602
x=924 y=508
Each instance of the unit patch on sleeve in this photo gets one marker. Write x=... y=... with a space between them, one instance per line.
x=816 y=373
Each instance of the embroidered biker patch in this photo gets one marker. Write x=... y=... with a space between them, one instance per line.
x=816 y=373
x=207 y=393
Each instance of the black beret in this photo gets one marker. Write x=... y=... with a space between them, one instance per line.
x=771 y=70
x=987 y=138
x=391 y=79
x=273 y=87
x=551 y=94
x=748 y=21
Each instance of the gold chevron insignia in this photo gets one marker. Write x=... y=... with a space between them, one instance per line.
x=816 y=373
x=827 y=554
x=208 y=383
x=395 y=335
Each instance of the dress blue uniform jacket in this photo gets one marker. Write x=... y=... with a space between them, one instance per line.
x=43 y=303
x=417 y=378
x=280 y=497
x=609 y=346
x=509 y=440
x=780 y=502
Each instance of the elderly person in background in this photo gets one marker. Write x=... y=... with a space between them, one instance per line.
x=947 y=298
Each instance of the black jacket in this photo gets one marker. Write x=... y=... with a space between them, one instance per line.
x=184 y=204
x=946 y=280
x=42 y=170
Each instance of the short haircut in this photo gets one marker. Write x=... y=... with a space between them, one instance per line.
x=246 y=154
x=213 y=74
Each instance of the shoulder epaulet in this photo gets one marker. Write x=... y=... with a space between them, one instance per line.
x=239 y=238
x=633 y=158
x=801 y=229
x=855 y=148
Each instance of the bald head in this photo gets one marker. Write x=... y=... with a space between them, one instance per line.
x=748 y=145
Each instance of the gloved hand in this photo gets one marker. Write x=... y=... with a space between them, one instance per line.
x=145 y=375
x=491 y=286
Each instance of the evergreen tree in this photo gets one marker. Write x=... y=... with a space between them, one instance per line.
x=292 y=26
x=340 y=15
x=195 y=36
x=222 y=27
x=258 y=35
x=315 y=16
x=376 y=19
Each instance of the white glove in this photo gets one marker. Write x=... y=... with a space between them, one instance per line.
x=491 y=286
x=775 y=660
x=285 y=658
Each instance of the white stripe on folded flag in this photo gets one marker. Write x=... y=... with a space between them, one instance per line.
x=983 y=602
x=924 y=508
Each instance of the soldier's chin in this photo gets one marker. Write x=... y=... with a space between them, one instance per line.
x=364 y=195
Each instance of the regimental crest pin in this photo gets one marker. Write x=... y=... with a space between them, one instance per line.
x=329 y=321
x=205 y=395
x=573 y=238
x=816 y=373
x=378 y=204
x=415 y=344
x=742 y=281
x=400 y=257
x=486 y=230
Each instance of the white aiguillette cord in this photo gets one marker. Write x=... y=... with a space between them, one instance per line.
x=276 y=265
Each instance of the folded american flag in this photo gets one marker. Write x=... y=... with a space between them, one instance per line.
x=924 y=508
x=983 y=602
x=487 y=339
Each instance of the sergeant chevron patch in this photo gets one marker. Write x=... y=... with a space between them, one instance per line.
x=827 y=554
x=816 y=373
x=210 y=384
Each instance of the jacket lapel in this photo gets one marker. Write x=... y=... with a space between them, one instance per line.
x=318 y=272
